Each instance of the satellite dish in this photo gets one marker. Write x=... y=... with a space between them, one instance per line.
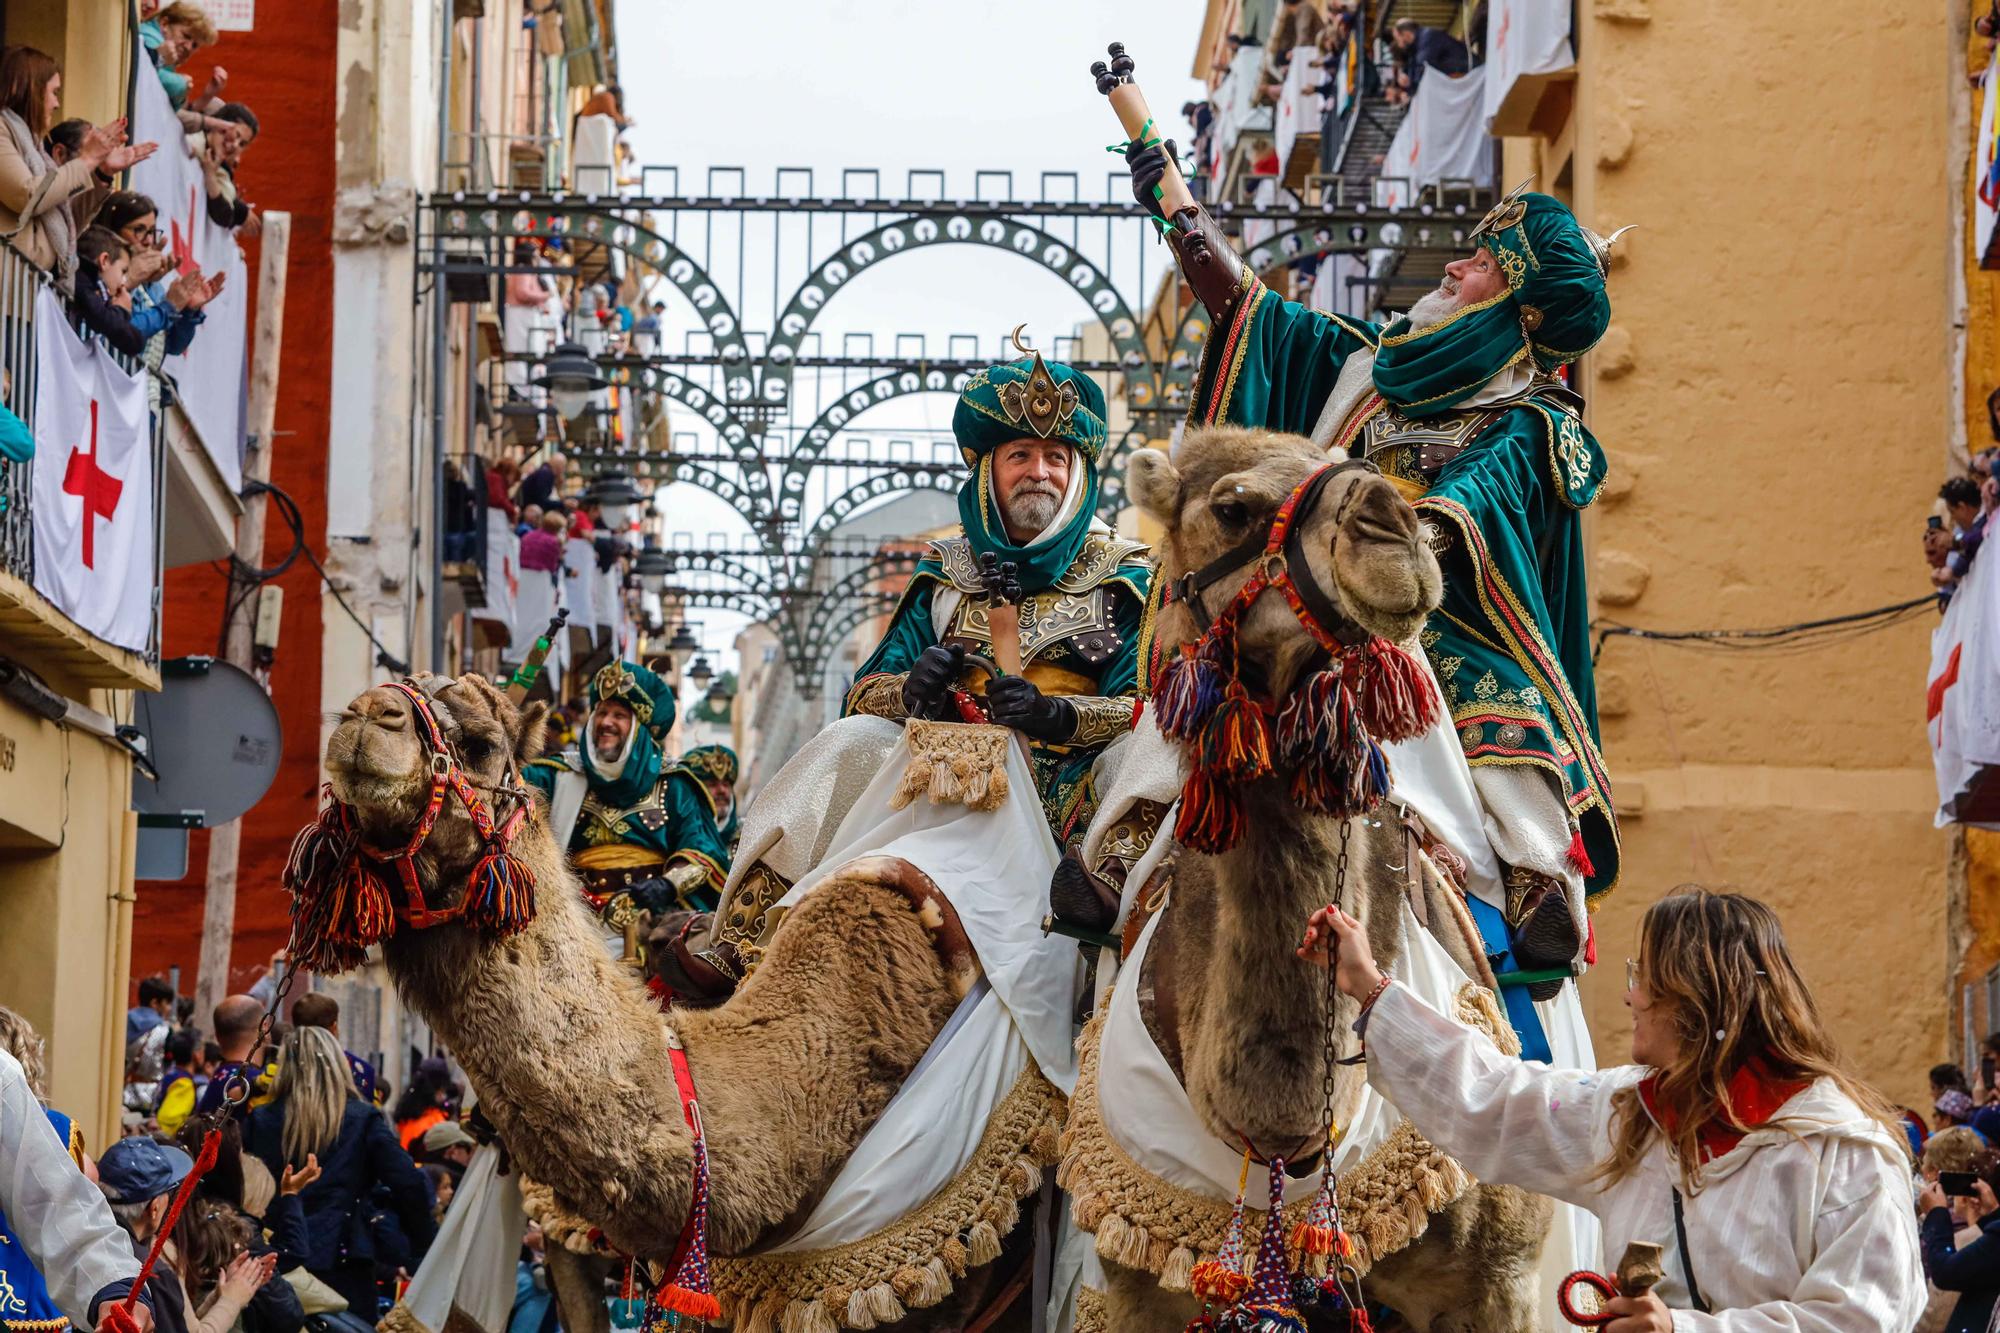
x=214 y=738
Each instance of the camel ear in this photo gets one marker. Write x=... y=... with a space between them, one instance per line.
x=534 y=732
x=1154 y=485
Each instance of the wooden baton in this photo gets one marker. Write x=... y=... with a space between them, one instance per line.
x=1115 y=82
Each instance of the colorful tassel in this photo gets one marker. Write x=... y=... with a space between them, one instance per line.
x=1236 y=743
x=502 y=890
x=1397 y=700
x=1189 y=690
x=1269 y=1304
x=1221 y=1281
x=690 y=1292
x=1212 y=817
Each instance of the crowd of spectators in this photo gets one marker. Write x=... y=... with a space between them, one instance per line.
x=1953 y=538
x=104 y=248
x=1959 y=1214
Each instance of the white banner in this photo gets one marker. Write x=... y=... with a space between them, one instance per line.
x=1962 y=703
x=209 y=374
x=1442 y=138
x=1299 y=104
x=93 y=484
x=503 y=570
x=1523 y=37
x=1986 y=167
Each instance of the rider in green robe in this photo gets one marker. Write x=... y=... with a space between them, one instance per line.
x=643 y=835
x=1462 y=404
x=1031 y=432
x=715 y=767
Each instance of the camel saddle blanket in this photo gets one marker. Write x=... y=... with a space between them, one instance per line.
x=1155 y=1186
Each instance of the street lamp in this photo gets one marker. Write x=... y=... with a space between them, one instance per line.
x=701 y=672
x=718 y=696
x=616 y=496
x=570 y=376
x=684 y=640
x=652 y=565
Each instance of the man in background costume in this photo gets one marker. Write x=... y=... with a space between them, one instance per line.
x=641 y=836
x=716 y=768
x=1461 y=405
x=1031 y=432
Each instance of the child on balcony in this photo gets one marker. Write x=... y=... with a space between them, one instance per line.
x=103 y=301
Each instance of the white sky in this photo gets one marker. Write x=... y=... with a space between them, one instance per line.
x=894 y=85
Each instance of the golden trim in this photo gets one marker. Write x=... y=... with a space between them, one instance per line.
x=1397 y=340
x=1100 y=719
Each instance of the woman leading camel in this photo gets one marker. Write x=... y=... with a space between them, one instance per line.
x=1733 y=1129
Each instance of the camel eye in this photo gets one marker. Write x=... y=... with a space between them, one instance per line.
x=1230 y=513
x=476 y=748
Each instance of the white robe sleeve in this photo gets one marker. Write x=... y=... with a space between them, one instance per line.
x=1866 y=1275
x=61 y=1218
x=1507 y=1122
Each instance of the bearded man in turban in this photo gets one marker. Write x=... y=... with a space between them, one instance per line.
x=1462 y=404
x=716 y=768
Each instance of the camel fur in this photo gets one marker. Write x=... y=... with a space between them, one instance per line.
x=1246 y=1028
x=569 y=1054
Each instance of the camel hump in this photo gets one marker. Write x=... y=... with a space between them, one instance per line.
x=940 y=918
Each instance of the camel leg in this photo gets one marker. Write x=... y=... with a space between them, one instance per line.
x=578 y=1283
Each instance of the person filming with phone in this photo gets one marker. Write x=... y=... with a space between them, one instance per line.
x=1954 y=1200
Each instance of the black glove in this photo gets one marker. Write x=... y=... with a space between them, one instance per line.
x=925 y=685
x=1149 y=167
x=1015 y=702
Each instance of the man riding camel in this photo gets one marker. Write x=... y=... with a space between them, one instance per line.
x=641 y=836
x=1461 y=403
x=716 y=767
x=1031 y=432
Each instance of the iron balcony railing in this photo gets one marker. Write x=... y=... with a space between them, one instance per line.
x=20 y=284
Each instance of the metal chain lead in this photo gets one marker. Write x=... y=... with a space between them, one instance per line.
x=236 y=1088
x=1329 y=1037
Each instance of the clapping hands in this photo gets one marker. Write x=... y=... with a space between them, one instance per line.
x=104 y=147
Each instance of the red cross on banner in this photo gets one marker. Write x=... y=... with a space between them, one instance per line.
x=98 y=490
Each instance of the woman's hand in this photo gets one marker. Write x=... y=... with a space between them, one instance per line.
x=1353 y=963
x=243 y=1277
x=297 y=1179
x=1931 y=1196
x=1638 y=1314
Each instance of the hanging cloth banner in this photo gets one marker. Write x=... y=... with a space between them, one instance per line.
x=209 y=376
x=1525 y=41
x=1962 y=700
x=1986 y=168
x=94 y=519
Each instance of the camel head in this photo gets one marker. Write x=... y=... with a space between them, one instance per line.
x=1364 y=544
x=380 y=766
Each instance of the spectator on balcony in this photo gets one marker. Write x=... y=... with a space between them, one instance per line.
x=531 y=518
x=43 y=204
x=226 y=206
x=65 y=140
x=1968 y=504
x=171 y=36
x=1298 y=24
x=543 y=486
x=1418 y=48
x=165 y=306
x=501 y=476
x=542 y=549
x=102 y=302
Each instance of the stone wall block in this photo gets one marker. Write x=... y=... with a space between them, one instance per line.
x=1619 y=579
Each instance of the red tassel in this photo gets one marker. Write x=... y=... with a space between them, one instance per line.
x=693 y=1304
x=1397 y=701
x=1217 y=1283
x=1313 y=1239
x=1579 y=858
x=1589 y=943
x=1237 y=741
x=1189 y=690
x=1212 y=818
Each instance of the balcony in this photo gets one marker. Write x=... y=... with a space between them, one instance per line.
x=193 y=508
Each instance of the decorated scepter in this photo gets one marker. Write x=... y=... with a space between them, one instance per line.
x=1003 y=610
x=1115 y=82
x=531 y=669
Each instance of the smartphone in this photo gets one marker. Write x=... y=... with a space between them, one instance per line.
x=1959 y=1183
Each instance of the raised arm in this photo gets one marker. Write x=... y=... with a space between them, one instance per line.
x=1217 y=276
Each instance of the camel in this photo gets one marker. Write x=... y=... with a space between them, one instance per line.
x=1237 y=1015
x=569 y=1055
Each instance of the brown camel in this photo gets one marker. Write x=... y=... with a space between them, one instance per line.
x=569 y=1055
x=1236 y=1013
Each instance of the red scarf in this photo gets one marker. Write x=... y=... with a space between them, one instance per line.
x=1756 y=1094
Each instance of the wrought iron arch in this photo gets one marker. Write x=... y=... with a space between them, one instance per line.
x=826 y=602
x=848 y=503
x=813 y=443
x=908 y=234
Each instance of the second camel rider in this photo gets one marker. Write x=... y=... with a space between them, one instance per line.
x=640 y=835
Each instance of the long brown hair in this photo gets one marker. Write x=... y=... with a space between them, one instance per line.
x=1718 y=961
x=24 y=81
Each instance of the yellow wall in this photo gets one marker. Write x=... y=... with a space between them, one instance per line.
x=1776 y=396
x=88 y=39
x=66 y=838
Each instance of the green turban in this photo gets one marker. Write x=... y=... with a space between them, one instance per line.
x=640 y=689
x=1029 y=399
x=712 y=763
x=1554 y=310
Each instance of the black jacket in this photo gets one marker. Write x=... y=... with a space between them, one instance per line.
x=1973 y=1272
x=364 y=1158
x=93 y=306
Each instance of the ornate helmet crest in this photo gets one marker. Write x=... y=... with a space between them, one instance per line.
x=1045 y=405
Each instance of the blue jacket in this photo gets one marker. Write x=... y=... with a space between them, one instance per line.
x=1973 y=1272
x=339 y=1205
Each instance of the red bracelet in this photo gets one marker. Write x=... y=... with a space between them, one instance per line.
x=1374 y=995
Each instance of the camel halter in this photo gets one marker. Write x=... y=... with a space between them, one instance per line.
x=1326 y=733
x=343 y=899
